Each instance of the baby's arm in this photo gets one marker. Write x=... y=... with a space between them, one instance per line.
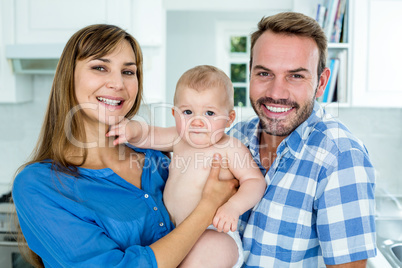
x=142 y=135
x=251 y=190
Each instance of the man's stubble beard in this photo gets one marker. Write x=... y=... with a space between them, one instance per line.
x=275 y=127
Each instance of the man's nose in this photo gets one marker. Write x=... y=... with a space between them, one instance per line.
x=278 y=89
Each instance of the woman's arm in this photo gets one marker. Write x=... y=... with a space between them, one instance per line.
x=64 y=233
x=171 y=249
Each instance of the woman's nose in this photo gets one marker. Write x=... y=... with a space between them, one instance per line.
x=114 y=81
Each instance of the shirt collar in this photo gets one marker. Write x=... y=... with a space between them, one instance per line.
x=298 y=137
x=254 y=139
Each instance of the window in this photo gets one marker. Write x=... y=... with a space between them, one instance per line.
x=233 y=55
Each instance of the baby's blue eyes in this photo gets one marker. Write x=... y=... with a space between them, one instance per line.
x=208 y=113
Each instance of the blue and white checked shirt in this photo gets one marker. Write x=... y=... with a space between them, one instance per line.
x=319 y=204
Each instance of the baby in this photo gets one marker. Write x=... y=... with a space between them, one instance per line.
x=203 y=109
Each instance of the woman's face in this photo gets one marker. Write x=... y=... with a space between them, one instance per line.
x=106 y=87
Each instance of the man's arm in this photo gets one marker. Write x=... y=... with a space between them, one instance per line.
x=355 y=264
x=345 y=209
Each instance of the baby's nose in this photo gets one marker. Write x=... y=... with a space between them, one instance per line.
x=197 y=122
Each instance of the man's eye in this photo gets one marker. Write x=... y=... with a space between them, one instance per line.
x=265 y=74
x=187 y=112
x=210 y=113
x=297 y=76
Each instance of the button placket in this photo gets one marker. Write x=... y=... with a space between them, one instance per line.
x=155 y=208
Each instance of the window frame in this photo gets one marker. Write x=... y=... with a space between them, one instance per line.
x=224 y=58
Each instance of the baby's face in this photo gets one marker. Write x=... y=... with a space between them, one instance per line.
x=202 y=116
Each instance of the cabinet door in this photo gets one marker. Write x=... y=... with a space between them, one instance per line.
x=376 y=53
x=49 y=21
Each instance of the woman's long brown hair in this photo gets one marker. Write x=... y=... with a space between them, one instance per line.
x=54 y=139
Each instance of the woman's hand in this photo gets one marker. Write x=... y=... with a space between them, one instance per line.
x=173 y=248
x=217 y=192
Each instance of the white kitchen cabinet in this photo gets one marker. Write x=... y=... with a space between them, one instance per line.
x=9 y=82
x=52 y=22
x=376 y=59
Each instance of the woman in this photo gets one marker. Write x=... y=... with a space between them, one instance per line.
x=82 y=202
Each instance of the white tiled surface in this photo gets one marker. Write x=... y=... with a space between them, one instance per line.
x=20 y=126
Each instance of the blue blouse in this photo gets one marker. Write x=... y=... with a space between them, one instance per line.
x=95 y=220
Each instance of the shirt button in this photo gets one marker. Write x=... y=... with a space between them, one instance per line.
x=161 y=224
x=146 y=195
x=155 y=208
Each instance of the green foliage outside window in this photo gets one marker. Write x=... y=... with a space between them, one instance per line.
x=238 y=72
x=238 y=44
x=240 y=96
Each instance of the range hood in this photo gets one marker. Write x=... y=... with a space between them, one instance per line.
x=34 y=58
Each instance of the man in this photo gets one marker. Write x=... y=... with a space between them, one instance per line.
x=318 y=208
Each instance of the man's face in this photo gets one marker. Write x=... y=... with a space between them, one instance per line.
x=284 y=82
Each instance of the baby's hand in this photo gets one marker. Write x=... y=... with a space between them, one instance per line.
x=226 y=218
x=125 y=131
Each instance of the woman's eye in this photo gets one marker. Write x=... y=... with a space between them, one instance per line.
x=128 y=72
x=210 y=113
x=98 y=68
x=187 y=112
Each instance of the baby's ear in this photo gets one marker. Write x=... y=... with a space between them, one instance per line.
x=232 y=116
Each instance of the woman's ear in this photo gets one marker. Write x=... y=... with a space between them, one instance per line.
x=232 y=116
